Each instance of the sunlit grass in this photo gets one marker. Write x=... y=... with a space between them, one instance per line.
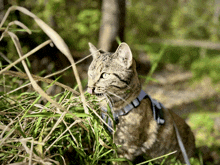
x=33 y=130
x=203 y=126
x=27 y=128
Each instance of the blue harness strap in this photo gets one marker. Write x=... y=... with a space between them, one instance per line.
x=155 y=106
x=157 y=110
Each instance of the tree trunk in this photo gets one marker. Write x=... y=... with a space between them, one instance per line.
x=214 y=34
x=2 y=5
x=112 y=24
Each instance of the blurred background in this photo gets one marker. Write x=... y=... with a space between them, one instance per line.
x=178 y=39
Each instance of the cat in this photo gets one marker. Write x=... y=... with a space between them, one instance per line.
x=147 y=128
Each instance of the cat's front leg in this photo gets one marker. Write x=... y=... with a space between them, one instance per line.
x=128 y=143
x=129 y=153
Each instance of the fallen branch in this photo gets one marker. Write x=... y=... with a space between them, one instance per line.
x=182 y=42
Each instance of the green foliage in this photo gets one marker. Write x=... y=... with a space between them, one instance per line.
x=155 y=61
x=86 y=25
x=202 y=121
x=78 y=23
x=193 y=19
x=148 y=19
x=168 y=19
x=37 y=121
x=203 y=125
x=209 y=66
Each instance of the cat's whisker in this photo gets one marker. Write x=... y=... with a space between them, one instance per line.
x=109 y=99
x=101 y=99
x=112 y=101
x=119 y=97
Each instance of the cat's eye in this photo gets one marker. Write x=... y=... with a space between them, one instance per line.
x=105 y=75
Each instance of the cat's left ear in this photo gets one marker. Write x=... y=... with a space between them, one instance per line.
x=93 y=50
x=124 y=54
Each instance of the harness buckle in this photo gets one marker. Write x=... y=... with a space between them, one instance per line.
x=135 y=102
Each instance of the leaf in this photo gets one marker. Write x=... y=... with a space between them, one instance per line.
x=50 y=114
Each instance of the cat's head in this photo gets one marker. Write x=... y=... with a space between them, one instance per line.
x=112 y=74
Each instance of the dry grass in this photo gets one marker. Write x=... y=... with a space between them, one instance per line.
x=33 y=131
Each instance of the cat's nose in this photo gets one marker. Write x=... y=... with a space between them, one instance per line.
x=90 y=90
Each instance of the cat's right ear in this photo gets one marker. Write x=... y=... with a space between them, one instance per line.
x=94 y=51
x=124 y=55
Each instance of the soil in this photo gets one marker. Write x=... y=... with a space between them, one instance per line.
x=178 y=91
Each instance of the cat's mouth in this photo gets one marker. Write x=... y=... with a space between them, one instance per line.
x=99 y=94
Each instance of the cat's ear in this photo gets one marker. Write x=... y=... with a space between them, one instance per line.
x=94 y=51
x=124 y=54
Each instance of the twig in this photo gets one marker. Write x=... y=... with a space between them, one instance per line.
x=182 y=42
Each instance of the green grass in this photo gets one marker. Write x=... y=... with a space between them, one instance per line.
x=29 y=125
x=203 y=124
x=32 y=129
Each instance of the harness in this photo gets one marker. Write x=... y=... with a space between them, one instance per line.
x=157 y=113
x=155 y=106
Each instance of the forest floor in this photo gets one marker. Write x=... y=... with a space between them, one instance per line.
x=196 y=101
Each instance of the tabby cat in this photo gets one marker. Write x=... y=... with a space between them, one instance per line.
x=113 y=78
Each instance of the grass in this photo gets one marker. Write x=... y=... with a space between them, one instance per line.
x=202 y=124
x=35 y=131
x=43 y=129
